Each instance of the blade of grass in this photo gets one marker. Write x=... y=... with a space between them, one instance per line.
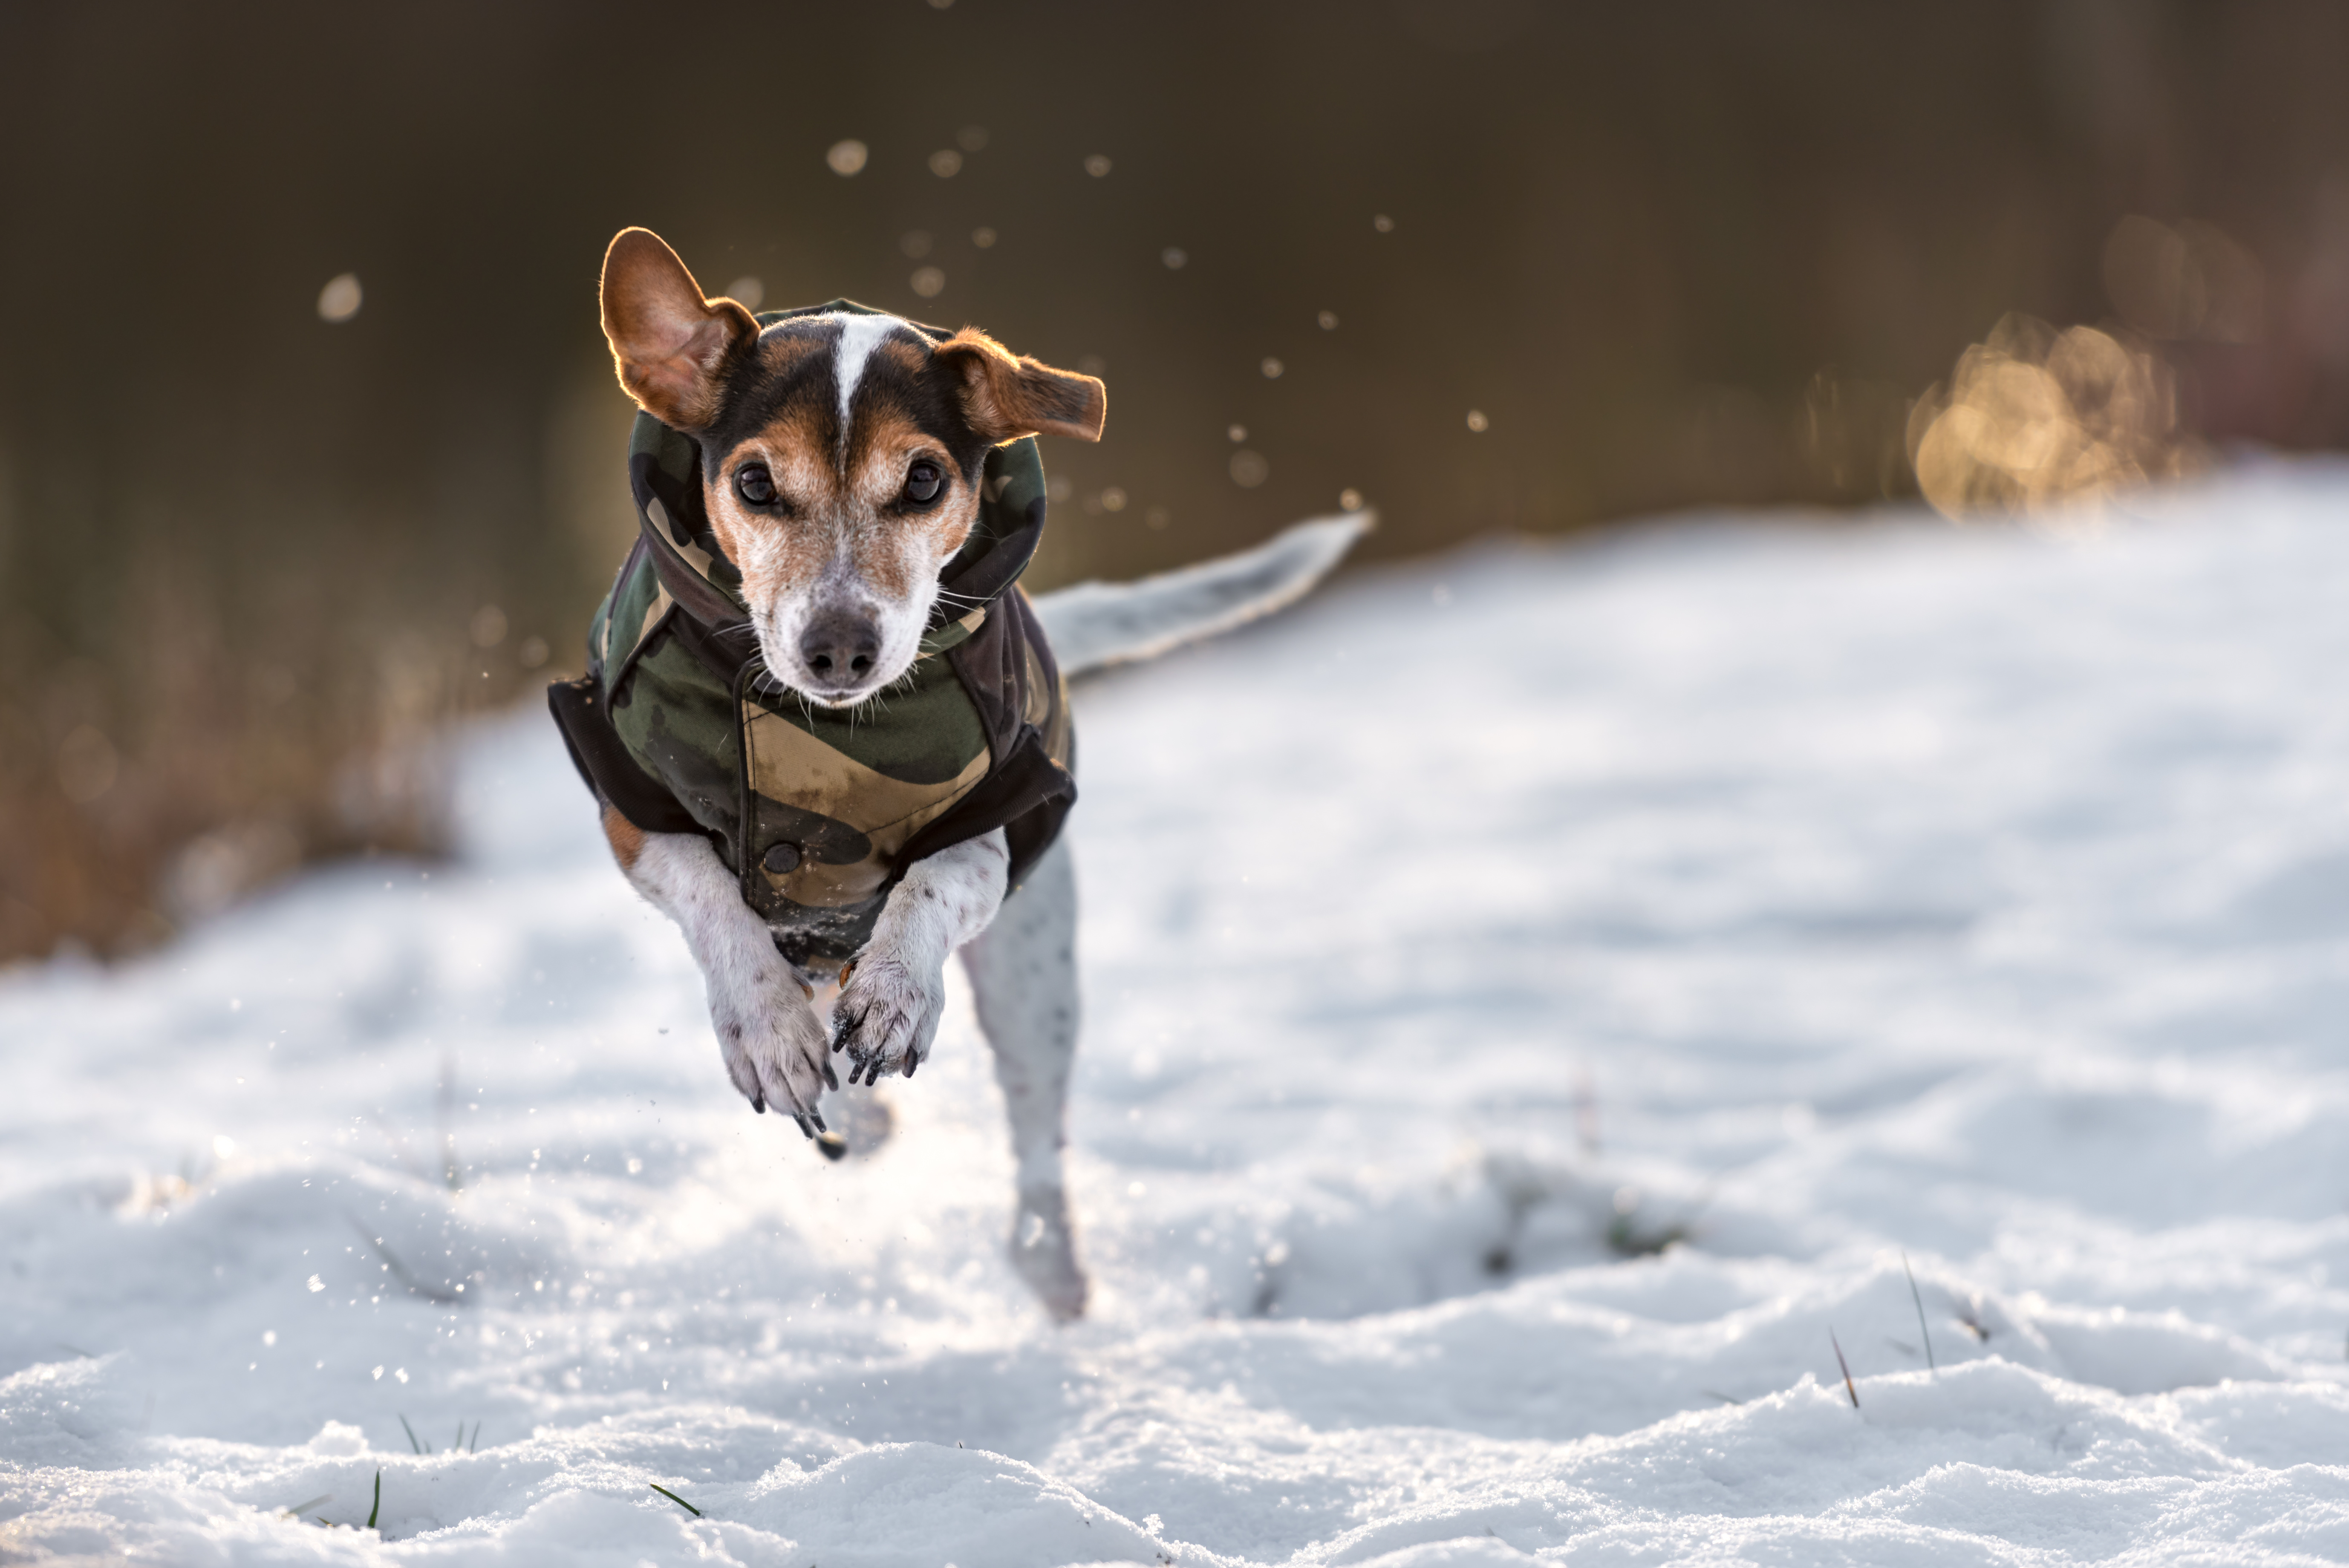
x=412 y=1440
x=1848 y=1386
x=1929 y=1364
x=473 y=1443
x=301 y=1508
x=458 y=1446
x=378 y=1501
x=674 y=1497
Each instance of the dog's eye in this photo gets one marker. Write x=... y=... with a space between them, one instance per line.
x=754 y=484
x=922 y=482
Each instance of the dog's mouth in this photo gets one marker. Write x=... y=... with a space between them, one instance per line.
x=848 y=697
x=826 y=693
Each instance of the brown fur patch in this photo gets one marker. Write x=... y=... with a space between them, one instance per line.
x=786 y=352
x=628 y=839
x=774 y=549
x=1009 y=396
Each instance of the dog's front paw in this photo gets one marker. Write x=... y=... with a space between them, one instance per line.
x=773 y=1047
x=887 y=1015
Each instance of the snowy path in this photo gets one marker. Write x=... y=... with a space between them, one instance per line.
x=1819 y=893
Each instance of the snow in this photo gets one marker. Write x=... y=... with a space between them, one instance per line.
x=1820 y=895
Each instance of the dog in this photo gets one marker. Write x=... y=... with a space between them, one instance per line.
x=835 y=506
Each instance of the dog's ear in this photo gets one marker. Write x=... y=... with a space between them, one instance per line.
x=1006 y=396
x=671 y=345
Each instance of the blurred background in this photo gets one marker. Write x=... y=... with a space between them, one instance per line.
x=309 y=444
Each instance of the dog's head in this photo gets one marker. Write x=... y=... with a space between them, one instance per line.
x=840 y=456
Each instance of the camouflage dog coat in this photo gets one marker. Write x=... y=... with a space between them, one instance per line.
x=678 y=726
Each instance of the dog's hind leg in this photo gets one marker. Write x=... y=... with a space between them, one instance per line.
x=1023 y=978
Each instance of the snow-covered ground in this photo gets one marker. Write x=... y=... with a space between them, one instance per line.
x=1816 y=894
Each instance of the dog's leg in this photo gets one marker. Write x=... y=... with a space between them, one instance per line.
x=770 y=1038
x=1023 y=977
x=889 y=1004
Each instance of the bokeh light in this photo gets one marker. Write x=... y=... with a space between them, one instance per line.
x=2033 y=416
x=341 y=298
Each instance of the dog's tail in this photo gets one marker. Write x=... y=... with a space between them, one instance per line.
x=1096 y=624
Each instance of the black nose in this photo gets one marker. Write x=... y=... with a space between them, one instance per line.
x=840 y=647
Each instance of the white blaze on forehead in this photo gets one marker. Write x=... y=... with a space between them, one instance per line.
x=859 y=336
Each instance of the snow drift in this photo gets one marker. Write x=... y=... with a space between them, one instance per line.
x=1536 y=999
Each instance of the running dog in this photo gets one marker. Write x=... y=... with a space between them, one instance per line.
x=828 y=731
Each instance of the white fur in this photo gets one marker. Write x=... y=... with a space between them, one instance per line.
x=1094 y=624
x=772 y=1041
x=1023 y=979
x=900 y=624
x=887 y=1013
x=859 y=336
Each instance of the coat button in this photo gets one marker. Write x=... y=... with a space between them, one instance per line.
x=782 y=858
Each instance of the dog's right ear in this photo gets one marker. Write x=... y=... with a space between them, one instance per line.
x=1006 y=396
x=671 y=347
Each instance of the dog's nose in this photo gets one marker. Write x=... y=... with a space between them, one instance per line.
x=840 y=647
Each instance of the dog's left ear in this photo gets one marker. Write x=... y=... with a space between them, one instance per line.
x=1006 y=396
x=670 y=345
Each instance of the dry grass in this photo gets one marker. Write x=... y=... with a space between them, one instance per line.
x=199 y=734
